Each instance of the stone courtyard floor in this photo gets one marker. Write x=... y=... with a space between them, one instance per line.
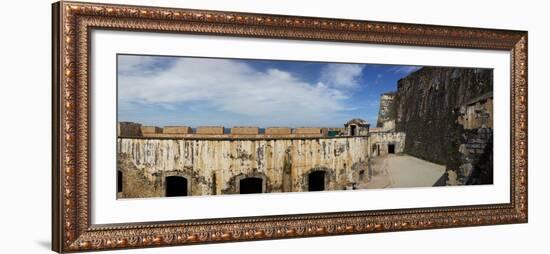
x=401 y=171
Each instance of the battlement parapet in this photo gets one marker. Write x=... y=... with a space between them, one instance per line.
x=177 y=130
x=245 y=131
x=278 y=131
x=210 y=130
x=150 y=130
x=136 y=130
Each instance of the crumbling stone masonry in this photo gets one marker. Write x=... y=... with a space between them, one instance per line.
x=476 y=142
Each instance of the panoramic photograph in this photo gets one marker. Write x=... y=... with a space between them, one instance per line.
x=195 y=126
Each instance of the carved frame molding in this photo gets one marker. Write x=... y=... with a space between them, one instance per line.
x=71 y=226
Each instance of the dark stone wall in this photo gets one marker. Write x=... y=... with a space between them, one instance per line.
x=428 y=103
x=477 y=157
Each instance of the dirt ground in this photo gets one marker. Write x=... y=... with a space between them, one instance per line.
x=399 y=171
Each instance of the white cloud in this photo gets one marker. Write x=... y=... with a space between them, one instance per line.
x=405 y=70
x=342 y=75
x=131 y=64
x=230 y=86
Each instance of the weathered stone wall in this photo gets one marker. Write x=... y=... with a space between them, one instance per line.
x=146 y=130
x=438 y=110
x=129 y=129
x=176 y=130
x=381 y=140
x=278 y=131
x=245 y=130
x=475 y=165
x=387 y=112
x=478 y=113
x=215 y=165
x=476 y=158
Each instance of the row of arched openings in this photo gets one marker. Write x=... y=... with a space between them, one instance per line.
x=177 y=186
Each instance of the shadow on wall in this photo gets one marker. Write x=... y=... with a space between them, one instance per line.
x=482 y=172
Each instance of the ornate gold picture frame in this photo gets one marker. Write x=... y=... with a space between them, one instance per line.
x=72 y=229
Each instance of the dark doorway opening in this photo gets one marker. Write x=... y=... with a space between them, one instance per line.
x=250 y=185
x=176 y=186
x=391 y=148
x=118 y=181
x=353 y=129
x=316 y=181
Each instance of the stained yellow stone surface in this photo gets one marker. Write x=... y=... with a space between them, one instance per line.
x=284 y=163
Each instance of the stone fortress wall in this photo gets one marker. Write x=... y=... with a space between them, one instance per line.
x=213 y=162
x=447 y=114
x=441 y=115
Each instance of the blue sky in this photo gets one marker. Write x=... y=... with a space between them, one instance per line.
x=163 y=91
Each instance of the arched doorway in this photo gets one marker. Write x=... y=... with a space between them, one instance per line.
x=176 y=186
x=251 y=185
x=316 y=181
x=118 y=181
